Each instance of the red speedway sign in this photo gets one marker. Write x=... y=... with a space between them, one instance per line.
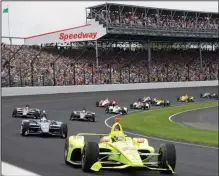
x=81 y=35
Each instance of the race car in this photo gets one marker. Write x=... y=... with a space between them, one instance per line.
x=43 y=126
x=145 y=99
x=115 y=109
x=208 y=95
x=105 y=103
x=26 y=112
x=118 y=151
x=160 y=102
x=83 y=115
x=140 y=105
x=186 y=98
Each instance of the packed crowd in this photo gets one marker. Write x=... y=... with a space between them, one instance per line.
x=164 y=20
x=77 y=67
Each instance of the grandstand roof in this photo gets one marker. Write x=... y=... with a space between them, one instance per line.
x=87 y=32
x=165 y=9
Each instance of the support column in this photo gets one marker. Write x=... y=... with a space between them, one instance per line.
x=149 y=59
x=200 y=55
x=97 y=60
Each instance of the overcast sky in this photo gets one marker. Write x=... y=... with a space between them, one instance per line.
x=31 y=18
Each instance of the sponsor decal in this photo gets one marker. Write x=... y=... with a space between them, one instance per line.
x=81 y=35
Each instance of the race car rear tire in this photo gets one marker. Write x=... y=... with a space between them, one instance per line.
x=25 y=129
x=14 y=113
x=90 y=155
x=72 y=116
x=97 y=104
x=93 y=118
x=177 y=98
x=37 y=114
x=64 y=131
x=167 y=156
x=131 y=106
x=107 y=110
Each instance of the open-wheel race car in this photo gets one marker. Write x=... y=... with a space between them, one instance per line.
x=209 y=95
x=105 y=103
x=160 y=102
x=140 y=105
x=83 y=115
x=186 y=98
x=26 y=112
x=118 y=151
x=43 y=126
x=116 y=109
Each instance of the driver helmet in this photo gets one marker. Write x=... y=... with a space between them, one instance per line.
x=43 y=114
x=43 y=119
x=84 y=109
x=117 y=136
x=27 y=107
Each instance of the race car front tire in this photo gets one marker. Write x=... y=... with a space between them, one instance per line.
x=66 y=152
x=97 y=104
x=25 y=129
x=14 y=113
x=90 y=155
x=131 y=106
x=64 y=131
x=167 y=156
x=93 y=118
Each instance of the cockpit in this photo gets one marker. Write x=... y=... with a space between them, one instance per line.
x=43 y=120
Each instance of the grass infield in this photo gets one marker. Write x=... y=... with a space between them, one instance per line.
x=157 y=123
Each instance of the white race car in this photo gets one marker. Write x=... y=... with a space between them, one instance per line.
x=116 y=110
x=139 y=105
x=105 y=103
x=145 y=100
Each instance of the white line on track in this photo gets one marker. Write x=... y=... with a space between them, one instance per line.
x=160 y=139
x=170 y=118
x=11 y=170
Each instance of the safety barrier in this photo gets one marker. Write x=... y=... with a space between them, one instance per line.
x=18 y=91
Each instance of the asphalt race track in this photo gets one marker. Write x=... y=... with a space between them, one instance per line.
x=45 y=156
x=202 y=118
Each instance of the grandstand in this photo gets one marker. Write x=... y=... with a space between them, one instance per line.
x=118 y=44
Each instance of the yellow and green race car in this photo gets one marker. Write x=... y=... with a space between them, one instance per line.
x=118 y=151
x=186 y=98
x=160 y=102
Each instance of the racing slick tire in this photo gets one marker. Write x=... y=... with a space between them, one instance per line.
x=107 y=110
x=90 y=155
x=167 y=156
x=25 y=129
x=71 y=116
x=64 y=131
x=97 y=104
x=201 y=95
x=178 y=98
x=131 y=106
x=14 y=113
x=66 y=152
x=123 y=111
x=37 y=114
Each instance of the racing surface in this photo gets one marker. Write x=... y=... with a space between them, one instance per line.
x=45 y=156
x=203 y=118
